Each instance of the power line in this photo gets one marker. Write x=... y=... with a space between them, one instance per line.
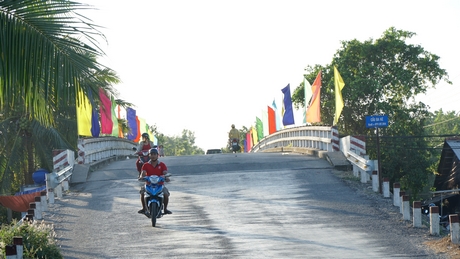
x=440 y=122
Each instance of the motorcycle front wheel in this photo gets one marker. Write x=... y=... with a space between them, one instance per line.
x=153 y=213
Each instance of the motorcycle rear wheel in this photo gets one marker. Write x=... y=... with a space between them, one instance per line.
x=153 y=213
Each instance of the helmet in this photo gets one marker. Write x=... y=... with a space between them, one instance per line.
x=145 y=135
x=153 y=151
x=233 y=125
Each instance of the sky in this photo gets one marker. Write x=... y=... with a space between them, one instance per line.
x=204 y=65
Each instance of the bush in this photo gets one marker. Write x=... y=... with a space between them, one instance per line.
x=38 y=239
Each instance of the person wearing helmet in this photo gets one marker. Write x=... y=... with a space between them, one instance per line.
x=233 y=134
x=154 y=167
x=144 y=145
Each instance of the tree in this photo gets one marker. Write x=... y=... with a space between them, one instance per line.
x=183 y=145
x=440 y=123
x=379 y=76
x=382 y=77
x=47 y=50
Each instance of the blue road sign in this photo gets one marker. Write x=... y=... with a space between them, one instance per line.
x=377 y=121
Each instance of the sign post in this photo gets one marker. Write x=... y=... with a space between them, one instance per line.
x=377 y=121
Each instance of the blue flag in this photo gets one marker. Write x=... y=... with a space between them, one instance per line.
x=95 y=127
x=132 y=123
x=288 y=113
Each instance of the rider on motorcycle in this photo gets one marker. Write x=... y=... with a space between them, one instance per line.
x=154 y=167
x=144 y=144
x=233 y=134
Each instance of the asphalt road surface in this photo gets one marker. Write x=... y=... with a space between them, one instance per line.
x=226 y=206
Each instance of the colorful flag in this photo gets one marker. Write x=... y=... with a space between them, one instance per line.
x=313 y=111
x=248 y=141
x=84 y=109
x=271 y=120
x=255 y=139
x=114 y=117
x=151 y=136
x=95 y=127
x=139 y=133
x=277 y=116
x=339 y=84
x=288 y=113
x=106 y=113
x=265 y=122
x=308 y=94
x=143 y=126
x=132 y=123
x=260 y=129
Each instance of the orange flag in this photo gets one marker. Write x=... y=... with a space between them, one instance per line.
x=271 y=120
x=313 y=112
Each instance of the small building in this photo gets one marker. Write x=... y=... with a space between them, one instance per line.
x=448 y=176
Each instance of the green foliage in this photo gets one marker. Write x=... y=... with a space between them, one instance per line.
x=440 y=123
x=183 y=145
x=47 y=51
x=382 y=77
x=38 y=239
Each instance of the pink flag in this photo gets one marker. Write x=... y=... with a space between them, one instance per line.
x=106 y=113
x=313 y=112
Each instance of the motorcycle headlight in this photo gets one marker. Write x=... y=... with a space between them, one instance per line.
x=154 y=179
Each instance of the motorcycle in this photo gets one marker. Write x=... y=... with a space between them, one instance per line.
x=143 y=157
x=153 y=197
x=234 y=145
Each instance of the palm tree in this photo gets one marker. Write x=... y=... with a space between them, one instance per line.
x=47 y=50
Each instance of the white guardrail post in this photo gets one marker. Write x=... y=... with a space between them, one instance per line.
x=362 y=166
x=54 y=182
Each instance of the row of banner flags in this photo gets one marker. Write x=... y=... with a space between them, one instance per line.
x=271 y=120
x=92 y=122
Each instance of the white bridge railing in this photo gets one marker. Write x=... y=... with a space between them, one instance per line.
x=90 y=150
x=314 y=137
x=95 y=149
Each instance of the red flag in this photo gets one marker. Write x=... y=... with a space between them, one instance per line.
x=248 y=141
x=271 y=120
x=313 y=112
x=106 y=113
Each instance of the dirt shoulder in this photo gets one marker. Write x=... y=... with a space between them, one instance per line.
x=441 y=245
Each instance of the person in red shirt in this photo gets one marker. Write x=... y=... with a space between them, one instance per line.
x=144 y=144
x=155 y=167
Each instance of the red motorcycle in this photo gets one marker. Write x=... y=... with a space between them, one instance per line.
x=142 y=157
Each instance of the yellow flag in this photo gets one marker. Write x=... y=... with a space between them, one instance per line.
x=339 y=84
x=84 y=114
x=255 y=139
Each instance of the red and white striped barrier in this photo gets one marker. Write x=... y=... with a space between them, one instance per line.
x=335 y=139
x=358 y=145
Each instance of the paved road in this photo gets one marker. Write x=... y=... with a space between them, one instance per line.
x=227 y=206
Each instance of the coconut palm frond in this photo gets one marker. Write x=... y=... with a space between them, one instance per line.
x=42 y=52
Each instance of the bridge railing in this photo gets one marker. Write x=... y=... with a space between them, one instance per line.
x=314 y=137
x=91 y=150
